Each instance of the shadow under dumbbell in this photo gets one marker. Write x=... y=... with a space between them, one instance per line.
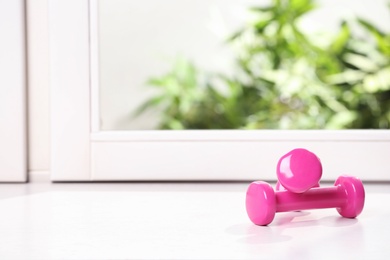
x=289 y=220
x=273 y=233
x=251 y=234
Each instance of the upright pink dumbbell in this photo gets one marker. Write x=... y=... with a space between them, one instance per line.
x=347 y=196
x=298 y=171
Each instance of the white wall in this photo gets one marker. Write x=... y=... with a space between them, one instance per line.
x=115 y=112
x=13 y=82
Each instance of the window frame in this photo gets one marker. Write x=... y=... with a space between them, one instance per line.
x=80 y=151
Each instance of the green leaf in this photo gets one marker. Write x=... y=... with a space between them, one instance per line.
x=261 y=25
x=175 y=125
x=348 y=76
x=341 y=39
x=261 y=9
x=158 y=82
x=370 y=27
x=361 y=62
x=379 y=81
x=382 y=39
x=341 y=120
x=235 y=35
x=301 y=7
x=149 y=104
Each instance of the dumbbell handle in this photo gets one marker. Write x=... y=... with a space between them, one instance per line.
x=315 y=198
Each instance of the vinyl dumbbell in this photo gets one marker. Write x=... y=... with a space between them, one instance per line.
x=262 y=202
x=280 y=187
x=298 y=171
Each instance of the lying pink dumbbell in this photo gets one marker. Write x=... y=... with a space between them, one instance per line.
x=347 y=196
x=298 y=171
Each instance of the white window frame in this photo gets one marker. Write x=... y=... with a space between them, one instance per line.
x=80 y=151
x=13 y=135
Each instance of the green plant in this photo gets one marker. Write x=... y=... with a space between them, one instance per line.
x=365 y=78
x=284 y=78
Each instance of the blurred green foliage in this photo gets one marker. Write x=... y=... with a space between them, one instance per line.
x=284 y=78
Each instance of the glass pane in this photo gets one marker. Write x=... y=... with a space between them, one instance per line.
x=221 y=64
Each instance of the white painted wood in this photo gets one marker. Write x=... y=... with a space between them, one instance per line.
x=13 y=152
x=82 y=152
x=233 y=160
x=94 y=64
x=70 y=94
x=38 y=85
x=243 y=135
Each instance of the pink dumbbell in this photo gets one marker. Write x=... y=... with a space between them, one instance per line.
x=298 y=171
x=347 y=196
x=280 y=187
